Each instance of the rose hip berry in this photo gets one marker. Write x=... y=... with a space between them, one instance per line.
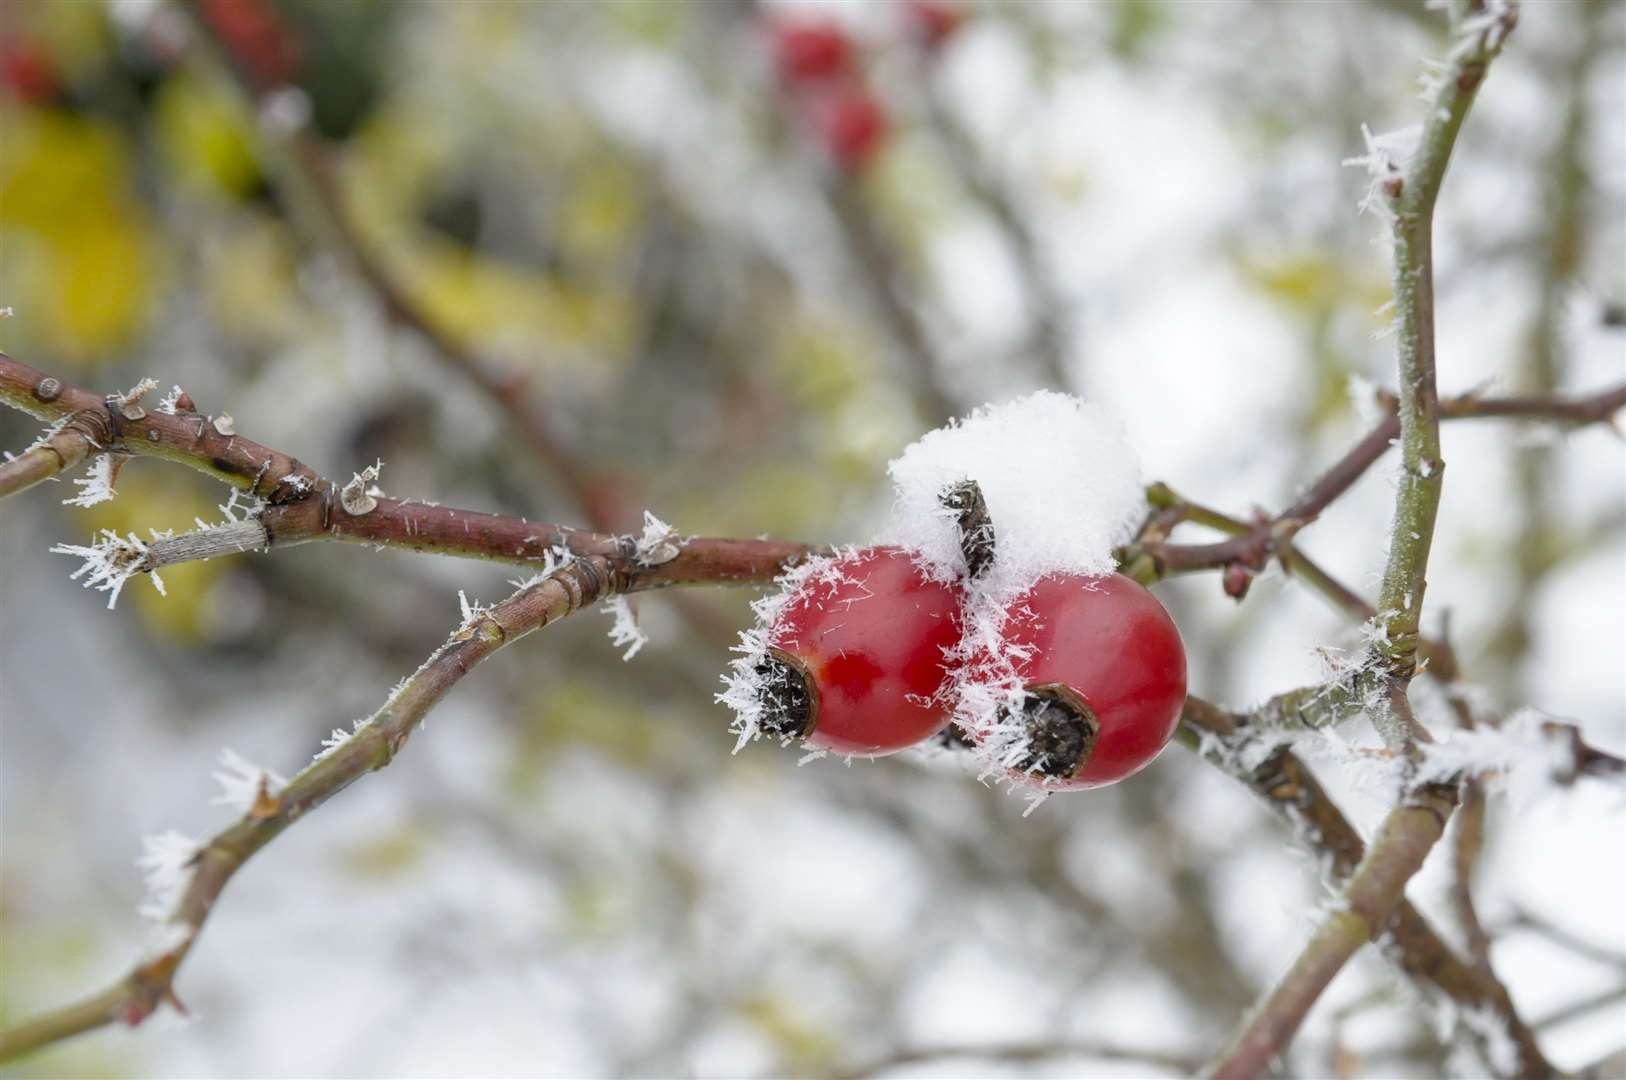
x=934 y=20
x=853 y=126
x=1105 y=672
x=810 y=51
x=855 y=660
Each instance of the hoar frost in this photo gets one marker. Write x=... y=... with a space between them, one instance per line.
x=625 y=633
x=164 y=861
x=748 y=681
x=240 y=781
x=96 y=486
x=111 y=561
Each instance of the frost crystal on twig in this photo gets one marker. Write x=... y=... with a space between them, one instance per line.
x=241 y=782
x=128 y=403
x=470 y=610
x=111 y=561
x=167 y=403
x=96 y=486
x=1385 y=160
x=625 y=630
x=164 y=861
x=658 y=544
x=50 y=432
x=340 y=736
x=1525 y=756
x=237 y=508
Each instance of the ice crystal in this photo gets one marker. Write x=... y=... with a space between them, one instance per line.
x=111 y=561
x=164 y=862
x=167 y=404
x=96 y=486
x=625 y=631
x=240 y=781
x=658 y=544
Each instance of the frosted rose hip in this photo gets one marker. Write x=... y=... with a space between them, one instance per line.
x=855 y=662
x=1106 y=677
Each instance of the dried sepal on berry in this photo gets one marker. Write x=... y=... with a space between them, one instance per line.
x=849 y=656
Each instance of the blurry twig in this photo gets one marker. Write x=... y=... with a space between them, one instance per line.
x=373 y=745
x=1525 y=919
x=307 y=169
x=884 y=274
x=1017 y=1053
x=1045 y=303
x=1291 y=790
x=1580 y=1007
x=1253 y=544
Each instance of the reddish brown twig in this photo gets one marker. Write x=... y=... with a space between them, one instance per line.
x=303 y=506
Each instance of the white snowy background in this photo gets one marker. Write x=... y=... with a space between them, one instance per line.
x=568 y=873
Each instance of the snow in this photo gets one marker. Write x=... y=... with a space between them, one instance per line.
x=1062 y=484
x=1522 y=757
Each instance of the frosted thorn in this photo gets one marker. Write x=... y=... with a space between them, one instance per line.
x=658 y=543
x=357 y=497
x=225 y=425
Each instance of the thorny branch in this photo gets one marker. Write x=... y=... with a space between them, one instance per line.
x=303 y=506
x=371 y=747
x=1411 y=829
x=1018 y=1053
x=1291 y=791
x=1254 y=544
x=306 y=173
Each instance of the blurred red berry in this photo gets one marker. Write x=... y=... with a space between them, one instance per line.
x=934 y=20
x=811 y=51
x=256 y=37
x=853 y=126
x=1105 y=672
x=856 y=658
x=26 y=70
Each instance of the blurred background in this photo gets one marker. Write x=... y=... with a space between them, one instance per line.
x=722 y=261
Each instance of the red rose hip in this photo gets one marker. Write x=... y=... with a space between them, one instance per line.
x=853 y=126
x=855 y=660
x=1105 y=672
x=810 y=51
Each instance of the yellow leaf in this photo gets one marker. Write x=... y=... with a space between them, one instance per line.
x=205 y=138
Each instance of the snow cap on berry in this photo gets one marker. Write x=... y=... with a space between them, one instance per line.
x=1061 y=481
